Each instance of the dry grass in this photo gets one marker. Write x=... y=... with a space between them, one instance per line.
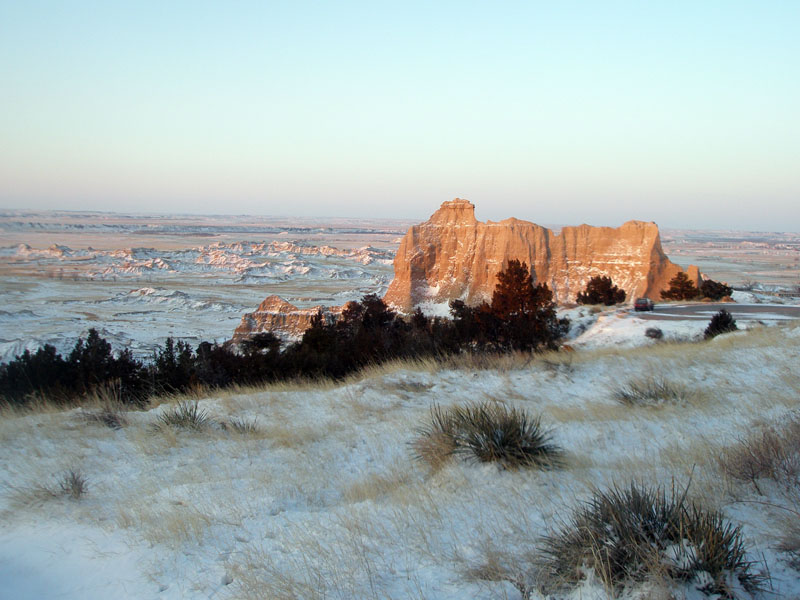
x=242 y=426
x=772 y=453
x=375 y=485
x=171 y=526
x=638 y=534
x=790 y=539
x=654 y=391
x=486 y=432
x=71 y=484
x=293 y=435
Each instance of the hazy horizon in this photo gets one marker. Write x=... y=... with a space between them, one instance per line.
x=683 y=114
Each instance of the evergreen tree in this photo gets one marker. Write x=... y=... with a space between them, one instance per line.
x=601 y=290
x=722 y=322
x=526 y=313
x=680 y=288
x=714 y=289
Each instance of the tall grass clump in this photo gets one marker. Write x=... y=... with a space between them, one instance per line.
x=186 y=415
x=241 y=426
x=638 y=534
x=486 y=432
x=652 y=391
x=73 y=484
x=773 y=453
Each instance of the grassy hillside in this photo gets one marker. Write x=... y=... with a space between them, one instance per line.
x=318 y=490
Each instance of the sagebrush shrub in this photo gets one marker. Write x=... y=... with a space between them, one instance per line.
x=638 y=533
x=487 y=432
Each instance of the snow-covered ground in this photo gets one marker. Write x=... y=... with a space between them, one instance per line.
x=137 y=297
x=325 y=499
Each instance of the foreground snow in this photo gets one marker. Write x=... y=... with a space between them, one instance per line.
x=326 y=500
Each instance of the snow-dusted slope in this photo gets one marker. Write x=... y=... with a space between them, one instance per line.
x=326 y=501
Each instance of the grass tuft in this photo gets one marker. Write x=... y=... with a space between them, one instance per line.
x=652 y=391
x=186 y=415
x=73 y=484
x=486 y=432
x=241 y=426
x=639 y=534
x=108 y=416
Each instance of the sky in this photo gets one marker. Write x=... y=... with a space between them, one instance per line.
x=686 y=113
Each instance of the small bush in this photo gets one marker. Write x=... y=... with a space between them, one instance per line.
x=73 y=484
x=639 y=534
x=186 y=415
x=241 y=426
x=487 y=432
x=652 y=391
x=772 y=453
x=654 y=333
x=722 y=322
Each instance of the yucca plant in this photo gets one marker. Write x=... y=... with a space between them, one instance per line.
x=186 y=415
x=632 y=534
x=487 y=432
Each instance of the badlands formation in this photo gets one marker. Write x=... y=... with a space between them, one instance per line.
x=454 y=256
x=282 y=318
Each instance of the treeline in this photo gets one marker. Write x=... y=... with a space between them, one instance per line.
x=520 y=317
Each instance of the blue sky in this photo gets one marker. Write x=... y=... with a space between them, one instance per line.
x=684 y=113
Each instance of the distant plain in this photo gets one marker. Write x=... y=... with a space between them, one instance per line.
x=141 y=278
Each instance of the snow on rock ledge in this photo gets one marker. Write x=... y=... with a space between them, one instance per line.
x=453 y=255
x=282 y=318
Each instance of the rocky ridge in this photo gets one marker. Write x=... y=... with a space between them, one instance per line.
x=453 y=255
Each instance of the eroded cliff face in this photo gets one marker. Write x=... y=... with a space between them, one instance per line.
x=282 y=318
x=453 y=255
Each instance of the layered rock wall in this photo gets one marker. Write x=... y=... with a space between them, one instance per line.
x=281 y=318
x=453 y=255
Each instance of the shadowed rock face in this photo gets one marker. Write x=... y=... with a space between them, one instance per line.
x=281 y=318
x=452 y=255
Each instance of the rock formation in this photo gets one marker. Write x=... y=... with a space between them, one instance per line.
x=281 y=318
x=452 y=255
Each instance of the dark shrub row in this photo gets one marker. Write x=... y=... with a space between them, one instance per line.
x=521 y=317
